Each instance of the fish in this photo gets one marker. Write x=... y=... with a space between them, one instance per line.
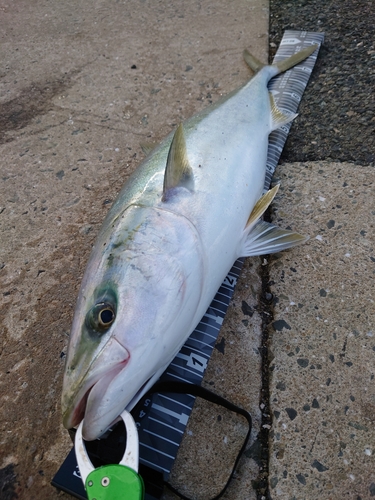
x=190 y=209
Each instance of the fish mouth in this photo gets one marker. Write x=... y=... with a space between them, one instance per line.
x=102 y=411
x=79 y=383
x=106 y=393
x=96 y=386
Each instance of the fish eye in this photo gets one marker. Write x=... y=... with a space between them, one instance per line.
x=101 y=317
x=106 y=316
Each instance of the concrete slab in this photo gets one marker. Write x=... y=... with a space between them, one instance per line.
x=322 y=345
x=81 y=86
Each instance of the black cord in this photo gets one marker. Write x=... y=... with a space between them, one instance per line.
x=199 y=391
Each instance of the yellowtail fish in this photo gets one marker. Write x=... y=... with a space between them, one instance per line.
x=184 y=216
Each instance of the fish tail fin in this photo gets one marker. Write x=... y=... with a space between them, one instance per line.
x=295 y=59
x=280 y=66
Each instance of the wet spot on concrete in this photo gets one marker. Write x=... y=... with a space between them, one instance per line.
x=34 y=100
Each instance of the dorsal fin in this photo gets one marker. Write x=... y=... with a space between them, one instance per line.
x=178 y=172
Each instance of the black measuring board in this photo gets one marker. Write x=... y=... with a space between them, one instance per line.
x=287 y=89
x=161 y=418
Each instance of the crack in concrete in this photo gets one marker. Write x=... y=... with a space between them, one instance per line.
x=266 y=312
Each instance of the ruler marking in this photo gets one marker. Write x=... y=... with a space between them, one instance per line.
x=179 y=378
x=161 y=437
x=156 y=450
x=187 y=369
x=221 y=302
x=214 y=327
x=200 y=341
x=174 y=401
x=192 y=348
x=181 y=417
x=165 y=424
x=154 y=465
x=205 y=333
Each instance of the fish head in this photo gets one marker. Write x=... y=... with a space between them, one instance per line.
x=134 y=302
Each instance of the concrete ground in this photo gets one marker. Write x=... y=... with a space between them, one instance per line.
x=82 y=84
x=322 y=345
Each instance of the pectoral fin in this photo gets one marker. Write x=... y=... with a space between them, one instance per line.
x=178 y=172
x=266 y=238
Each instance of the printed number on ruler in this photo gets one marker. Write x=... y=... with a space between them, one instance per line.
x=230 y=281
x=195 y=361
x=77 y=472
